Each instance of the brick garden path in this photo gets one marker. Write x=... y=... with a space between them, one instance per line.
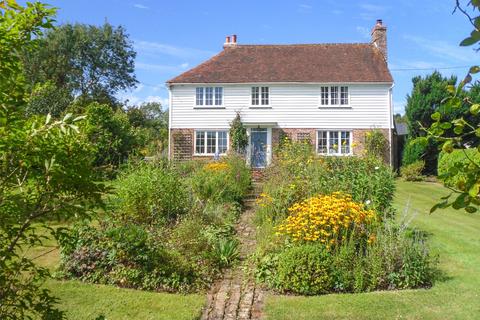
x=236 y=296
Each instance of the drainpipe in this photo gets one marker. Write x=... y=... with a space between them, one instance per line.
x=391 y=123
x=169 y=120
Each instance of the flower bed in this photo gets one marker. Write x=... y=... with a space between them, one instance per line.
x=327 y=225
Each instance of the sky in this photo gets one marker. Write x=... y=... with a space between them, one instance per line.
x=173 y=36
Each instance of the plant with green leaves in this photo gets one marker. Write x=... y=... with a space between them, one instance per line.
x=468 y=193
x=238 y=135
x=376 y=145
x=45 y=170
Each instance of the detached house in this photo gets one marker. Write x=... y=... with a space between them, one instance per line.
x=328 y=94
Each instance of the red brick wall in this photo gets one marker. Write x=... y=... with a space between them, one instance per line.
x=181 y=144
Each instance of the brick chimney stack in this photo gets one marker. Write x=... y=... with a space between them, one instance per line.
x=379 y=37
x=230 y=41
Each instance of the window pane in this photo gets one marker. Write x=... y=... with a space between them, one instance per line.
x=345 y=140
x=255 y=96
x=218 y=96
x=264 y=95
x=211 y=141
x=200 y=142
x=333 y=142
x=324 y=96
x=333 y=95
x=322 y=142
x=343 y=95
x=208 y=96
x=222 y=142
x=199 y=97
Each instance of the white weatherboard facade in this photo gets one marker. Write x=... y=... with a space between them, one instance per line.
x=291 y=106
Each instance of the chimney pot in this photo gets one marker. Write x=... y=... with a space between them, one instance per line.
x=227 y=39
x=379 y=38
x=234 y=39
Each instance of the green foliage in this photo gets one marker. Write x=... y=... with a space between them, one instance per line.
x=398 y=258
x=110 y=132
x=376 y=145
x=150 y=124
x=455 y=125
x=412 y=152
x=87 y=61
x=413 y=171
x=304 y=269
x=229 y=183
x=46 y=98
x=238 y=135
x=227 y=251
x=450 y=166
x=149 y=194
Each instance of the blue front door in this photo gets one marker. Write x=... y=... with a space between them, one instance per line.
x=258 y=148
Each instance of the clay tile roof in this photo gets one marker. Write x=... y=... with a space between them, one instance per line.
x=291 y=63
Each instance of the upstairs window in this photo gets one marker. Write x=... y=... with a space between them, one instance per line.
x=260 y=96
x=334 y=96
x=209 y=96
x=334 y=142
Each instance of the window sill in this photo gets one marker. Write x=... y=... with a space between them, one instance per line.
x=208 y=154
x=260 y=107
x=334 y=107
x=210 y=108
x=335 y=154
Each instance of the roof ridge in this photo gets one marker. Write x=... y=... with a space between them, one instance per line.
x=305 y=44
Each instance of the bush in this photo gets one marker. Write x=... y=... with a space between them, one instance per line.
x=413 y=171
x=221 y=182
x=412 y=152
x=304 y=269
x=376 y=145
x=395 y=258
x=450 y=163
x=150 y=194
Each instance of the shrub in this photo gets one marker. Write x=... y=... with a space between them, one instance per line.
x=376 y=145
x=304 y=269
x=326 y=219
x=150 y=194
x=412 y=152
x=224 y=181
x=413 y=171
x=450 y=163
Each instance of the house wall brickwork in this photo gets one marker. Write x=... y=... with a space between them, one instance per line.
x=182 y=141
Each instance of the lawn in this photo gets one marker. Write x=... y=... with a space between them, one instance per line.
x=88 y=301
x=454 y=236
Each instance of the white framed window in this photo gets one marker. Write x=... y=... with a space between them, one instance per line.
x=209 y=96
x=260 y=96
x=334 y=142
x=210 y=142
x=334 y=96
x=324 y=95
x=344 y=95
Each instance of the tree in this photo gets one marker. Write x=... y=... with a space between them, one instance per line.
x=45 y=170
x=426 y=98
x=150 y=123
x=89 y=62
x=238 y=134
x=111 y=134
x=465 y=132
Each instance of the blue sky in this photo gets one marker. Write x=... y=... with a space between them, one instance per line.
x=173 y=36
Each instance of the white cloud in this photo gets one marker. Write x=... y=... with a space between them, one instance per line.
x=157 y=67
x=444 y=49
x=364 y=32
x=184 y=65
x=399 y=107
x=304 y=8
x=156 y=48
x=140 y=6
x=336 y=11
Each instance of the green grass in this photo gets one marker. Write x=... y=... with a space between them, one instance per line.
x=88 y=301
x=454 y=236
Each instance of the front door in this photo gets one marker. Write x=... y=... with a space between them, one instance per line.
x=258 y=148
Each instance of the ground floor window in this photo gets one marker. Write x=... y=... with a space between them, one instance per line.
x=211 y=142
x=334 y=142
